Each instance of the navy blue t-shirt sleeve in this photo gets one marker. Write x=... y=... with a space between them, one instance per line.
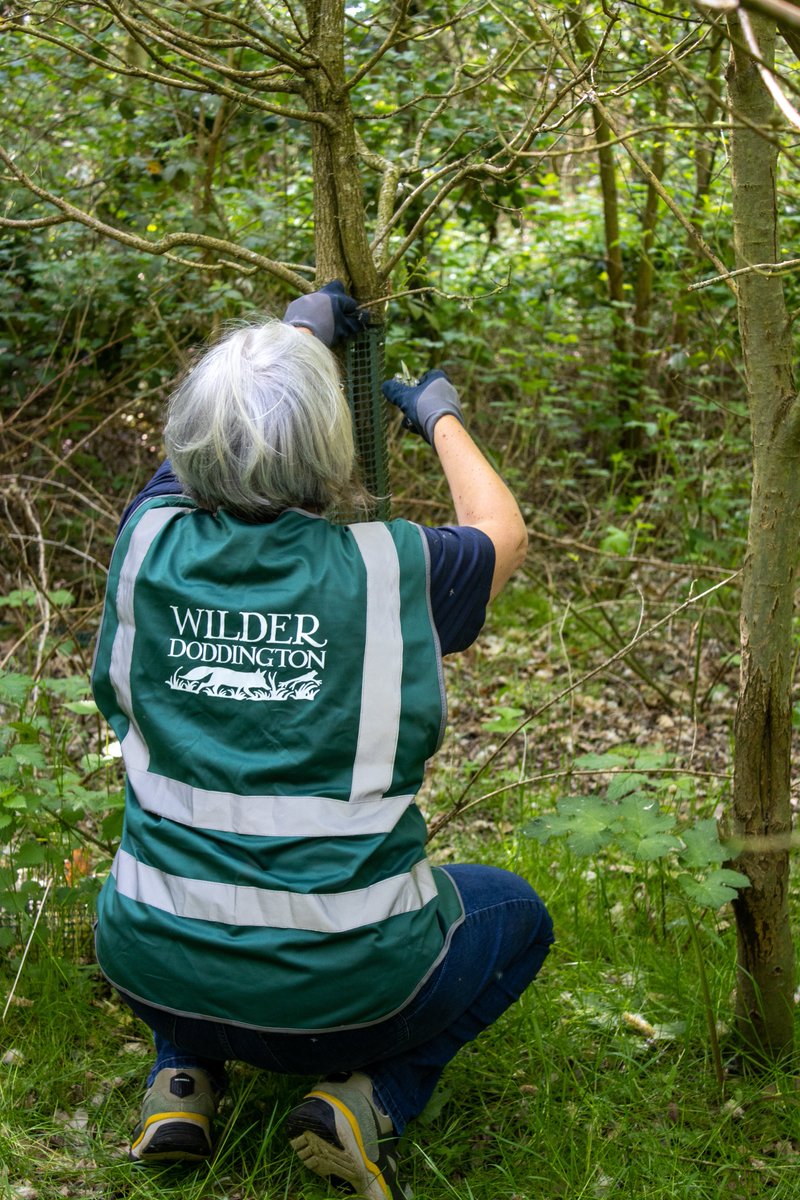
x=164 y=483
x=462 y=566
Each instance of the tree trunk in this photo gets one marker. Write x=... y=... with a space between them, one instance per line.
x=763 y=727
x=704 y=160
x=604 y=137
x=643 y=291
x=342 y=245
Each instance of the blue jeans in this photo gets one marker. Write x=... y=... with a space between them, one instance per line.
x=493 y=956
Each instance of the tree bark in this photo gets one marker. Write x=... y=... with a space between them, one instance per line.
x=604 y=136
x=761 y=807
x=643 y=290
x=341 y=242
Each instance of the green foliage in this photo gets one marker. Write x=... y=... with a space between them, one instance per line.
x=597 y=1082
x=508 y=274
x=60 y=799
x=621 y=439
x=629 y=820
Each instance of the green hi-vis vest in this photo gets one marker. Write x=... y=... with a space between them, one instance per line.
x=277 y=690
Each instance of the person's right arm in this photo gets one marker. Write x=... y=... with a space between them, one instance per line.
x=480 y=497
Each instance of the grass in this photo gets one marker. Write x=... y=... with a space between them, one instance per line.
x=599 y=1083
x=567 y=1096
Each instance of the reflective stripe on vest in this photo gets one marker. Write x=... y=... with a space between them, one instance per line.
x=146 y=530
x=336 y=912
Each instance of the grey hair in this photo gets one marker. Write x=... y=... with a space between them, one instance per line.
x=261 y=424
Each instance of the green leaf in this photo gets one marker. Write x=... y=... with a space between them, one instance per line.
x=718 y=888
x=545 y=827
x=703 y=846
x=111 y=825
x=28 y=754
x=15 y=802
x=32 y=854
x=644 y=831
x=616 y=541
x=622 y=785
x=9 y=767
x=584 y=820
x=505 y=719
x=19 y=598
x=14 y=687
x=600 y=762
x=73 y=687
x=61 y=597
x=656 y=846
x=82 y=707
x=590 y=823
x=650 y=758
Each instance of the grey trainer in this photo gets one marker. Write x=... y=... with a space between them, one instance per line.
x=177 y=1111
x=340 y=1133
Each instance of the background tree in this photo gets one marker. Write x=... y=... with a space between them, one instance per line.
x=763 y=729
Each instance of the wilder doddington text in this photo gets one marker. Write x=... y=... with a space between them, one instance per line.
x=217 y=635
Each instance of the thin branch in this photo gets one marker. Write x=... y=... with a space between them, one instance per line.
x=177 y=41
x=163 y=245
x=81 y=497
x=593 y=99
x=185 y=82
x=137 y=34
x=665 y=61
x=42 y=903
x=569 y=773
x=686 y=568
x=699 y=84
x=767 y=269
x=386 y=45
x=782 y=10
x=28 y=538
x=33 y=223
x=431 y=290
x=767 y=77
x=459 y=805
x=259 y=43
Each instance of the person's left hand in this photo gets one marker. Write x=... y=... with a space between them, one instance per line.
x=422 y=404
x=330 y=314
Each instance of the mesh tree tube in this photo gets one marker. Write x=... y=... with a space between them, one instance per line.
x=364 y=375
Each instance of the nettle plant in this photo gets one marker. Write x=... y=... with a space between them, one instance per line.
x=60 y=800
x=629 y=823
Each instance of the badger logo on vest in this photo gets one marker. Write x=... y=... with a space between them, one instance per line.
x=246 y=655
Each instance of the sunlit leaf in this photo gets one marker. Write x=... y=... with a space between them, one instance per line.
x=645 y=832
x=600 y=762
x=718 y=888
x=621 y=785
x=703 y=846
x=14 y=687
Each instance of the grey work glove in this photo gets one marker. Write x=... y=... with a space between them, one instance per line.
x=422 y=404
x=330 y=314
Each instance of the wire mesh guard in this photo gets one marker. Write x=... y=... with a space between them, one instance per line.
x=64 y=931
x=364 y=376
